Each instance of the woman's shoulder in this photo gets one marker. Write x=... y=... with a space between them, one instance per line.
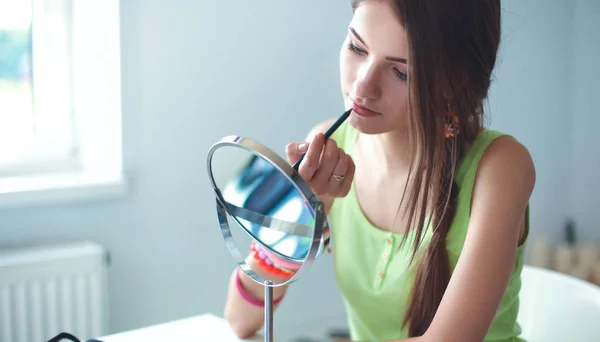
x=504 y=159
x=497 y=172
x=495 y=149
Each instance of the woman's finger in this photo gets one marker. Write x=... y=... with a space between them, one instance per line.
x=344 y=188
x=295 y=150
x=311 y=161
x=339 y=173
x=329 y=158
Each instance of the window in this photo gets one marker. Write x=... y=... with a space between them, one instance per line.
x=60 y=107
x=37 y=133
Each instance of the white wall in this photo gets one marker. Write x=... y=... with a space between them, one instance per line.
x=194 y=71
x=584 y=115
x=531 y=96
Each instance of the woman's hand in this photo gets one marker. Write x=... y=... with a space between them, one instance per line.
x=326 y=168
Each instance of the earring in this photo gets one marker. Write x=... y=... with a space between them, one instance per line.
x=452 y=127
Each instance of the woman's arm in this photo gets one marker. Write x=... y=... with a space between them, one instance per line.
x=503 y=185
x=245 y=317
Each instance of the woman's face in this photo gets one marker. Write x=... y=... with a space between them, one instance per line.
x=373 y=69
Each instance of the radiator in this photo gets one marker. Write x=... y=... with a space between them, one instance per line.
x=46 y=290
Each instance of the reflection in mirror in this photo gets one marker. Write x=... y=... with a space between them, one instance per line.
x=263 y=204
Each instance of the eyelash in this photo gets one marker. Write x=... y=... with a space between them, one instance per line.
x=401 y=75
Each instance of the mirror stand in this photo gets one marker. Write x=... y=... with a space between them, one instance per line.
x=268 y=311
x=272 y=205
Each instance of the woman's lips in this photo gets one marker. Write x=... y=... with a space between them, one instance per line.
x=363 y=111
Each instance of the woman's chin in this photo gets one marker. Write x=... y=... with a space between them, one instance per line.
x=367 y=125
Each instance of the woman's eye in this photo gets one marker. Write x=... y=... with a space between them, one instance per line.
x=401 y=75
x=352 y=47
x=355 y=48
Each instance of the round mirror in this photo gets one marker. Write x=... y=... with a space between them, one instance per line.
x=264 y=205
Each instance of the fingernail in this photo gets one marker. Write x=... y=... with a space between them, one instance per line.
x=303 y=147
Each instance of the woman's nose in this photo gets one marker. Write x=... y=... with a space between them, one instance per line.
x=366 y=85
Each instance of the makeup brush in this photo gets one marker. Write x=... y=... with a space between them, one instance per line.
x=327 y=133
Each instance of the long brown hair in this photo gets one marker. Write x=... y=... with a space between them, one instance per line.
x=453 y=48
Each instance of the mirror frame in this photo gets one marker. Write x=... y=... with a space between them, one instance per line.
x=321 y=230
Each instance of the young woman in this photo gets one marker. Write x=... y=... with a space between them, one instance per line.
x=428 y=209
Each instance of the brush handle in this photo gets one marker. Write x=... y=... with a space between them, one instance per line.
x=327 y=134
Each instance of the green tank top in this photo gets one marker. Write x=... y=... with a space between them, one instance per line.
x=373 y=274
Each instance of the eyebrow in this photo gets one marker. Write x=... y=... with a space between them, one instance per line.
x=394 y=59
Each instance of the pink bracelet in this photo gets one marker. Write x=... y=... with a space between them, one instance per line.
x=247 y=297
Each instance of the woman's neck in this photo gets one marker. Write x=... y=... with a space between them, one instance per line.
x=387 y=153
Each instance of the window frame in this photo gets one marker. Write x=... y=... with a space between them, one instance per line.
x=92 y=99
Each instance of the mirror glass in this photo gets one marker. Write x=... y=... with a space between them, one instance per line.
x=264 y=203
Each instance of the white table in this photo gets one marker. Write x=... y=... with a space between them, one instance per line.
x=206 y=327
